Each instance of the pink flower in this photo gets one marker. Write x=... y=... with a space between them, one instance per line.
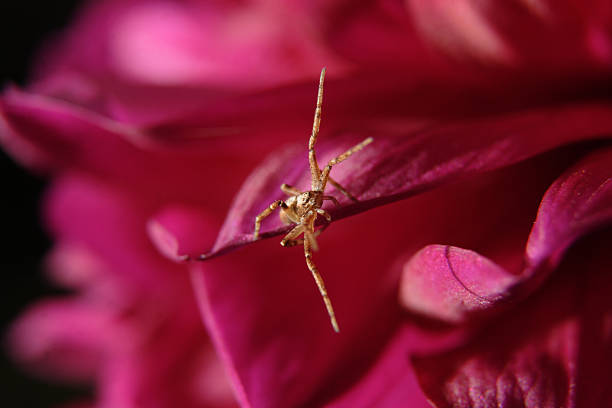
x=132 y=326
x=490 y=131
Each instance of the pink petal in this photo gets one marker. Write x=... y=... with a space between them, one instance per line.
x=377 y=34
x=119 y=52
x=107 y=223
x=552 y=351
x=448 y=283
x=399 y=165
x=64 y=338
x=61 y=136
x=251 y=45
x=452 y=284
x=268 y=320
x=579 y=202
x=388 y=383
x=188 y=223
x=558 y=39
x=160 y=354
x=272 y=329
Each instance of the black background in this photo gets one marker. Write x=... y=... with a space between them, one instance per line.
x=24 y=25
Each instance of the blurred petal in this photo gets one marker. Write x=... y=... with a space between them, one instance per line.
x=118 y=52
x=159 y=355
x=61 y=136
x=64 y=338
x=396 y=166
x=559 y=38
x=188 y=223
x=250 y=44
x=377 y=34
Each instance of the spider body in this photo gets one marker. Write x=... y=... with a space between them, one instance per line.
x=303 y=207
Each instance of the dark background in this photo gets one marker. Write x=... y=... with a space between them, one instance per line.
x=24 y=25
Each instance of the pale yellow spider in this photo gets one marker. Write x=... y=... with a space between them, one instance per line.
x=302 y=208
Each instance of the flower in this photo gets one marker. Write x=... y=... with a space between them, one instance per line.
x=478 y=127
x=132 y=325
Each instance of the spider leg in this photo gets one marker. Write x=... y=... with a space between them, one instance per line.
x=324 y=214
x=290 y=239
x=315 y=172
x=339 y=159
x=341 y=189
x=310 y=237
x=289 y=190
x=319 y=280
x=264 y=214
x=300 y=241
x=332 y=199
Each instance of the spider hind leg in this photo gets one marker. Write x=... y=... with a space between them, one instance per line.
x=320 y=284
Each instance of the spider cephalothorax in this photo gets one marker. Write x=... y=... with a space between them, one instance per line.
x=302 y=208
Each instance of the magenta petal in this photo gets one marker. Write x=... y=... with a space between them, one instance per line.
x=389 y=383
x=192 y=225
x=159 y=355
x=511 y=35
x=554 y=351
x=64 y=338
x=451 y=283
x=272 y=329
x=149 y=60
x=398 y=165
x=55 y=135
x=270 y=325
x=448 y=282
x=578 y=202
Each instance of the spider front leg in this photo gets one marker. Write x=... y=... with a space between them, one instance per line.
x=264 y=214
x=319 y=280
x=315 y=172
x=340 y=159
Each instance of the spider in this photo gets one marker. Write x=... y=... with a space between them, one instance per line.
x=303 y=207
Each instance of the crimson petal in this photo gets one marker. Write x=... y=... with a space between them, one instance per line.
x=552 y=351
x=179 y=220
x=449 y=282
x=577 y=203
x=54 y=135
x=268 y=320
x=452 y=283
x=400 y=164
x=64 y=338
